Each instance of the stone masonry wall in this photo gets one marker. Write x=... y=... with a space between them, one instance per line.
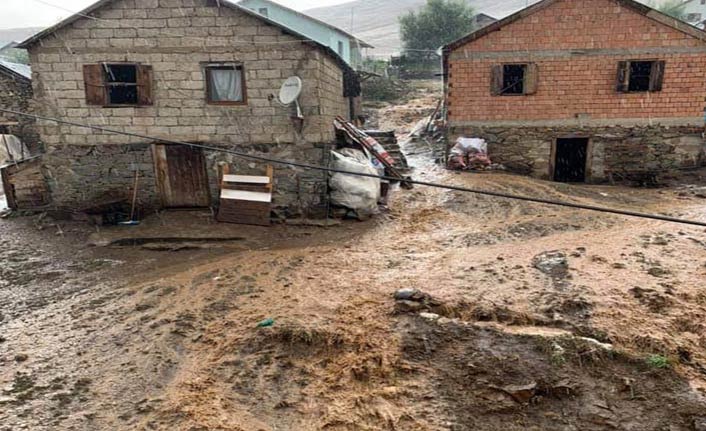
x=175 y=37
x=617 y=152
x=577 y=46
x=16 y=94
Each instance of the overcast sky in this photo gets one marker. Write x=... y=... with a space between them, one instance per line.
x=38 y=13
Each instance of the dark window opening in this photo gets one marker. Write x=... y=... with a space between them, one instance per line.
x=225 y=84
x=570 y=160
x=340 y=48
x=121 y=80
x=640 y=74
x=514 y=79
x=263 y=11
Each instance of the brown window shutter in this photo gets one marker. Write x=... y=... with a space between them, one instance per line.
x=95 y=85
x=622 y=81
x=657 y=76
x=144 y=85
x=496 y=80
x=531 y=78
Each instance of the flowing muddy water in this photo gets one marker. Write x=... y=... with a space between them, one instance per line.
x=132 y=338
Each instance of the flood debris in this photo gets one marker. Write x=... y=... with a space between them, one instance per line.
x=471 y=154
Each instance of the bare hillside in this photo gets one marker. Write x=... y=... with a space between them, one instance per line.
x=16 y=34
x=377 y=22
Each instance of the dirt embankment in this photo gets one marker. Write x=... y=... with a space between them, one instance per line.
x=545 y=318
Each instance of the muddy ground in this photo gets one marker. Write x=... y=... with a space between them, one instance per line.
x=540 y=318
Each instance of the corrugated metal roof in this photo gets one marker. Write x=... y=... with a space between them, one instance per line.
x=19 y=69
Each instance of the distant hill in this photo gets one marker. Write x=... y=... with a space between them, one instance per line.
x=376 y=22
x=16 y=34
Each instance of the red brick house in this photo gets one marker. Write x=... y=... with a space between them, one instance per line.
x=581 y=90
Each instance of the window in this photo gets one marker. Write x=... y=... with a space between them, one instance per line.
x=640 y=76
x=514 y=79
x=225 y=84
x=263 y=11
x=121 y=82
x=340 y=48
x=118 y=84
x=693 y=17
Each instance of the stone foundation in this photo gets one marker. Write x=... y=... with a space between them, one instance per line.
x=614 y=152
x=81 y=176
x=15 y=94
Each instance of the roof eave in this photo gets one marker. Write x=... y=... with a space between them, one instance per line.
x=26 y=44
x=14 y=73
x=37 y=37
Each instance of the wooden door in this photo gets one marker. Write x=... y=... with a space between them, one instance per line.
x=181 y=176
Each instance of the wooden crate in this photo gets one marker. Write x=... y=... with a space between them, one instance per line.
x=246 y=199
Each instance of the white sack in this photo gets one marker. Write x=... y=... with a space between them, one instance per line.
x=465 y=146
x=357 y=193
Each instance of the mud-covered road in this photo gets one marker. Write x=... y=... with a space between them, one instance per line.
x=546 y=319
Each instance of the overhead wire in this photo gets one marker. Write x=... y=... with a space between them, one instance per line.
x=273 y=160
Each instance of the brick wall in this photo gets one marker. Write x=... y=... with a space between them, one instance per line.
x=16 y=94
x=577 y=46
x=175 y=37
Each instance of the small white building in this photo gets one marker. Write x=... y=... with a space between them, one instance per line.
x=349 y=47
x=695 y=12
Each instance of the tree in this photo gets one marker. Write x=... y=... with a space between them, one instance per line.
x=436 y=24
x=673 y=8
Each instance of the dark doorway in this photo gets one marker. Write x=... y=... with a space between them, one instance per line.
x=181 y=176
x=570 y=160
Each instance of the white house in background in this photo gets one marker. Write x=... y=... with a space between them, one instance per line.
x=349 y=47
x=695 y=12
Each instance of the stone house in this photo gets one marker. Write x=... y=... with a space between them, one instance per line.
x=199 y=71
x=16 y=94
x=581 y=90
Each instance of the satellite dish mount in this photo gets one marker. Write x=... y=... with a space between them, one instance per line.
x=289 y=94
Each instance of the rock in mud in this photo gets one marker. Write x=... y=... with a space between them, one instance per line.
x=408 y=294
x=554 y=263
x=523 y=394
x=414 y=300
x=700 y=424
x=21 y=357
x=405 y=306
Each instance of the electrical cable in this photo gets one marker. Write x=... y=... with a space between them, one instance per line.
x=388 y=178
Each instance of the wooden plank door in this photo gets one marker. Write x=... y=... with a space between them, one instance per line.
x=181 y=175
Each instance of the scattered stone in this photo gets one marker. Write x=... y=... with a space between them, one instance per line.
x=521 y=394
x=407 y=294
x=700 y=424
x=429 y=316
x=554 y=263
x=619 y=265
x=414 y=300
x=658 y=271
x=21 y=357
x=405 y=306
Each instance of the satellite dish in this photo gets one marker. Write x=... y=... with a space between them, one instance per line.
x=290 y=91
